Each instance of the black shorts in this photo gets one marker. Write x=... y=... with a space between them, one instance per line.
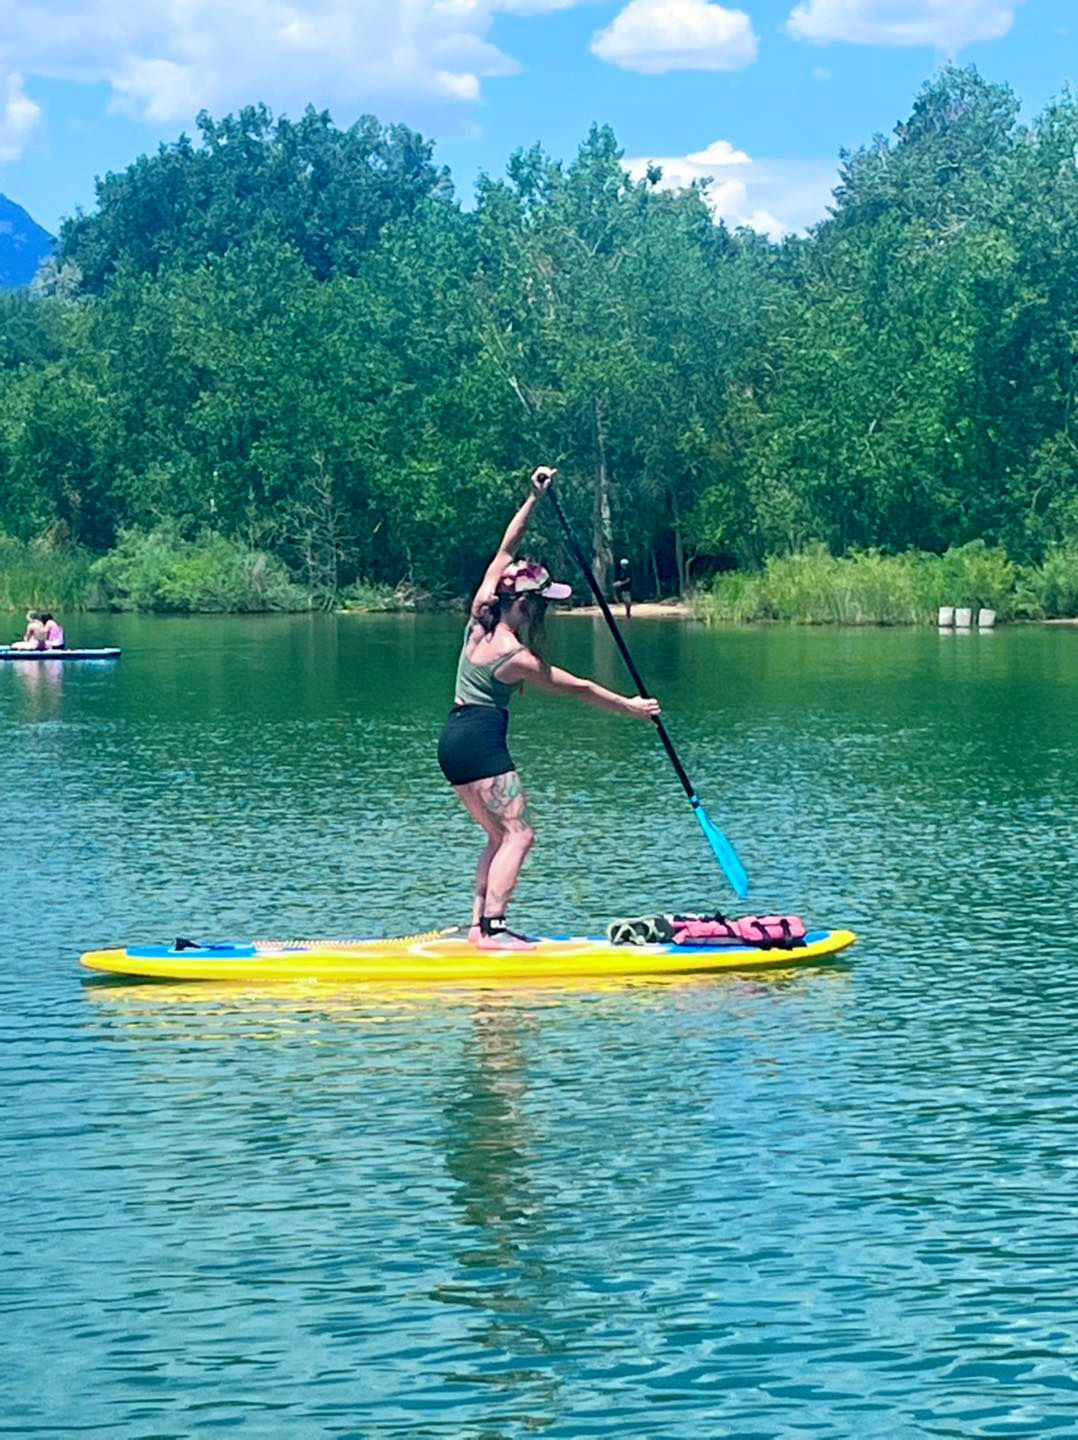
x=473 y=745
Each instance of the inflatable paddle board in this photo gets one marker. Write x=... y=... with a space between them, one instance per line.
x=449 y=957
x=8 y=652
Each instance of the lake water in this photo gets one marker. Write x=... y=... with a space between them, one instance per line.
x=834 y=1203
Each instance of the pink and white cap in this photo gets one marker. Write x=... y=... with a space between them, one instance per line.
x=525 y=577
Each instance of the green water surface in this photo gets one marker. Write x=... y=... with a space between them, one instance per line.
x=828 y=1204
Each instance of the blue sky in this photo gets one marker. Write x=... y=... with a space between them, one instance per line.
x=760 y=94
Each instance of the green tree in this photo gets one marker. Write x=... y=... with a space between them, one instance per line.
x=325 y=192
x=290 y=338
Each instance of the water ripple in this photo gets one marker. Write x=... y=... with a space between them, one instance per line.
x=805 y=1205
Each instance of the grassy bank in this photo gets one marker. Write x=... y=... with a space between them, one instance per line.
x=868 y=588
x=158 y=571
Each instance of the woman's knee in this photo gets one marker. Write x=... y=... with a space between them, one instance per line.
x=520 y=835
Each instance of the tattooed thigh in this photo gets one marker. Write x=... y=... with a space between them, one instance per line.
x=503 y=798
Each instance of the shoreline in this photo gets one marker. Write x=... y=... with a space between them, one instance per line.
x=643 y=609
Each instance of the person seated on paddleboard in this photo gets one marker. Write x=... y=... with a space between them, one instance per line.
x=54 y=632
x=34 y=637
x=503 y=648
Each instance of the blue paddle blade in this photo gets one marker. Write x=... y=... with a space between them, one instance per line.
x=725 y=853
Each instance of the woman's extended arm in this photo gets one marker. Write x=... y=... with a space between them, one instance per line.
x=514 y=534
x=525 y=666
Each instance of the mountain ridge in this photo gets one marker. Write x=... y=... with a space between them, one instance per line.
x=23 y=245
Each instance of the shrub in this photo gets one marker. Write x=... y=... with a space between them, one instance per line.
x=156 y=570
x=975 y=575
x=372 y=597
x=1051 y=589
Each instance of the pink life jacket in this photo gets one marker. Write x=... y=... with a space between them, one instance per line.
x=768 y=932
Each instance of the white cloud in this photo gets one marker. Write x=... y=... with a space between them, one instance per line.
x=536 y=7
x=165 y=61
x=715 y=155
x=775 y=197
x=654 y=36
x=18 y=117
x=945 y=24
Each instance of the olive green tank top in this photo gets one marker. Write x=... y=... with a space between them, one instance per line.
x=479 y=684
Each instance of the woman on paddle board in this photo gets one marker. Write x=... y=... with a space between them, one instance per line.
x=503 y=648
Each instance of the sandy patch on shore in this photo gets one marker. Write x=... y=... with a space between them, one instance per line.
x=643 y=610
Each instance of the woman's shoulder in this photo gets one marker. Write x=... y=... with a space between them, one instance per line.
x=490 y=645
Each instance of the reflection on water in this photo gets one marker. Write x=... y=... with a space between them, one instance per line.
x=502 y=1275
x=833 y=1202
x=140 y=1001
x=41 y=681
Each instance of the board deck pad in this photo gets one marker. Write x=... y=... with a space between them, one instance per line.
x=441 y=956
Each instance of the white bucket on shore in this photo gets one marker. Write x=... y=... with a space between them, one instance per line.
x=986 y=619
x=946 y=617
x=963 y=617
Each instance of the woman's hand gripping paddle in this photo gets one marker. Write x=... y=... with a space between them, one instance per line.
x=724 y=852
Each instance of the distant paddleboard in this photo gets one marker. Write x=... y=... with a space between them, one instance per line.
x=441 y=957
x=9 y=652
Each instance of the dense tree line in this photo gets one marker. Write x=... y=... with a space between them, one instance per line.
x=297 y=337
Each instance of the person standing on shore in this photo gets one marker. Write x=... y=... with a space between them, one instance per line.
x=623 y=586
x=504 y=647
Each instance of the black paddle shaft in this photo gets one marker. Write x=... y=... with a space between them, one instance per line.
x=638 y=679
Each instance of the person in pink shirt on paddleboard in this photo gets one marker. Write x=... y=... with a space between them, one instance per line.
x=54 y=633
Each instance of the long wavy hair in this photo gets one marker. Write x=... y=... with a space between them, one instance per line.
x=532 y=632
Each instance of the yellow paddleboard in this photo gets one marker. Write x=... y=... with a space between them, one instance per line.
x=451 y=958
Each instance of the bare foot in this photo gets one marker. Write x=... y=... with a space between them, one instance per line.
x=503 y=940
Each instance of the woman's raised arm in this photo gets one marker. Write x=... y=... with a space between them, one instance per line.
x=514 y=534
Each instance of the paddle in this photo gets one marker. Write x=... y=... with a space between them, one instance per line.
x=723 y=850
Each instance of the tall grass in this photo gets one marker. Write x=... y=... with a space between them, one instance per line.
x=868 y=588
x=42 y=576
x=159 y=570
